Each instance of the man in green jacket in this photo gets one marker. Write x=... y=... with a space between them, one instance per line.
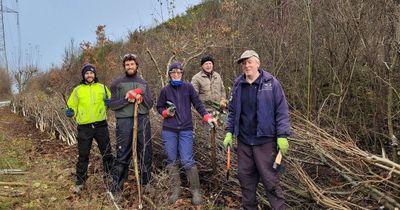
x=88 y=103
x=125 y=90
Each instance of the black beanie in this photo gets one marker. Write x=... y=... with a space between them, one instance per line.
x=205 y=59
x=88 y=67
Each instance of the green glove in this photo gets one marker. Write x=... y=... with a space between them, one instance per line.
x=228 y=139
x=283 y=145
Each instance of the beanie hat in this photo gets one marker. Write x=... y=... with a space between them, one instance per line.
x=205 y=59
x=86 y=68
x=175 y=66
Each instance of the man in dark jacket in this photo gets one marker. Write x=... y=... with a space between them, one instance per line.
x=259 y=118
x=125 y=91
x=174 y=104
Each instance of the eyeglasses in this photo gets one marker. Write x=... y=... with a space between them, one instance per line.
x=129 y=56
x=175 y=72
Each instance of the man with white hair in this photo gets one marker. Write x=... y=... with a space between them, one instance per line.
x=259 y=118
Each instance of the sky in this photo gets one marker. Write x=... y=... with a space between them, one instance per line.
x=48 y=26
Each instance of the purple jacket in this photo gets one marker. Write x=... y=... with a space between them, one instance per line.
x=272 y=108
x=182 y=97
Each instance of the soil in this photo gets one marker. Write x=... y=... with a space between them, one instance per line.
x=49 y=167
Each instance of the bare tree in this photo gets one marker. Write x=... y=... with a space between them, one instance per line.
x=24 y=75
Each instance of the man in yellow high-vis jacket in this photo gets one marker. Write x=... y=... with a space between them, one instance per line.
x=88 y=103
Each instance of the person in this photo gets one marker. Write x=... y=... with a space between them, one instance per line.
x=209 y=85
x=125 y=91
x=174 y=104
x=88 y=103
x=259 y=118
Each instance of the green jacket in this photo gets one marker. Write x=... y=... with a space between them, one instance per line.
x=87 y=101
x=120 y=87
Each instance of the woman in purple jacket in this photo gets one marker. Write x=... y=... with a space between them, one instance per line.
x=174 y=104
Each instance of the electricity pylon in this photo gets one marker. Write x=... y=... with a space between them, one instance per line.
x=3 y=49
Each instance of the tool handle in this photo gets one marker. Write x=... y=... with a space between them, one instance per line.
x=134 y=151
x=278 y=160
x=228 y=161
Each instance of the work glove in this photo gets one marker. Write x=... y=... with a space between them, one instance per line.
x=107 y=102
x=69 y=112
x=135 y=94
x=283 y=145
x=223 y=104
x=210 y=120
x=228 y=139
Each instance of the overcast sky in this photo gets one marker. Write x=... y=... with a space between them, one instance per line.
x=47 y=26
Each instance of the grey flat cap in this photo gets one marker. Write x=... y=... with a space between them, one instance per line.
x=247 y=54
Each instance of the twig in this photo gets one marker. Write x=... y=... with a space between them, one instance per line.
x=14 y=184
x=158 y=68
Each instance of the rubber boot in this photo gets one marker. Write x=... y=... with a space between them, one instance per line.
x=175 y=183
x=193 y=177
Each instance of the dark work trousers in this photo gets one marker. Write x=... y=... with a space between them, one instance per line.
x=86 y=133
x=255 y=162
x=124 y=132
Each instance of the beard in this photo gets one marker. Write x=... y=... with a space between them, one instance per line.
x=130 y=72
x=89 y=80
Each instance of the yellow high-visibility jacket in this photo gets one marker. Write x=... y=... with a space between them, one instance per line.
x=87 y=101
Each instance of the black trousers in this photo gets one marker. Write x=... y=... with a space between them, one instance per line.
x=255 y=164
x=86 y=133
x=124 y=132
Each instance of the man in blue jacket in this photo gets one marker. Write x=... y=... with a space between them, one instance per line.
x=259 y=119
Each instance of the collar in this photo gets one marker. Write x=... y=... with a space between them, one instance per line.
x=257 y=81
x=205 y=74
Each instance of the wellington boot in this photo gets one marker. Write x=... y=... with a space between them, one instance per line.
x=193 y=177
x=175 y=183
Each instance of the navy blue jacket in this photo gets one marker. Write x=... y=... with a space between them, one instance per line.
x=272 y=109
x=182 y=97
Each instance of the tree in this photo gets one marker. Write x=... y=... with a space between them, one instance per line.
x=5 y=84
x=24 y=75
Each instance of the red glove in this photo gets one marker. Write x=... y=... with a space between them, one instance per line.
x=164 y=114
x=206 y=117
x=139 y=96
x=210 y=120
x=135 y=94
x=138 y=91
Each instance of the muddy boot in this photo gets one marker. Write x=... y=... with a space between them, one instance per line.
x=175 y=183
x=193 y=177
